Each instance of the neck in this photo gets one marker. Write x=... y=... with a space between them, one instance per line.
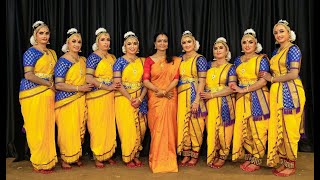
x=285 y=44
x=161 y=53
x=190 y=53
x=42 y=46
x=73 y=54
x=104 y=53
x=220 y=61
x=131 y=56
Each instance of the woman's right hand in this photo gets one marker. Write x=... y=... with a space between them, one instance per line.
x=85 y=88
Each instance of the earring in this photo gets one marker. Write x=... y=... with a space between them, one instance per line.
x=183 y=50
x=155 y=47
x=48 y=42
x=242 y=51
x=80 y=50
x=109 y=48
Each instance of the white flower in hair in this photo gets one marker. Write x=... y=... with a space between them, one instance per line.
x=221 y=39
x=129 y=33
x=197 y=46
x=259 y=48
x=32 y=40
x=65 y=48
x=37 y=23
x=283 y=22
x=100 y=30
x=250 y=31
x=72 y=30
x=292 y=36
x=186 y=32
x=229 y=56
x=94 y=47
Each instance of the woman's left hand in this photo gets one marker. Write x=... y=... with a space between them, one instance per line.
x=194 y=107
x=135 y=102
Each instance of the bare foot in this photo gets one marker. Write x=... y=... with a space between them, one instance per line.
x=252 y=167
x=112 y=162
x=244 y=165
x=184 y=161
x=286 y=172
x=65 y=165
x=99 y=164
x=192 y=162
x=137 y=162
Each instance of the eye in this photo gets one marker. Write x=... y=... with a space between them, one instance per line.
x=251 y=42
x=41 y=33
x=165 y=40
x=221 y=47
x=244 y=42
x=79 y=42
x=215 y=48
x=135 y=43
x=108 y=39
x=183 y=42
x=102 y=39
x=73 y=41
x=47 y=33
x=189 y=41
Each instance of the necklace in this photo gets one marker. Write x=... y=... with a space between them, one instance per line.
x=76 y=60
x=282 y=48
x=132 y=62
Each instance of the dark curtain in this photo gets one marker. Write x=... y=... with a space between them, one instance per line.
x=206 y=19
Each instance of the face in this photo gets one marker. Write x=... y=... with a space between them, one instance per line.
x=248 y=44
x=219 y=51
x=104 y=42
x=131 y=45
x=75 y=43
x=281 y=34
x=187 y=44
x=43 y=35
x=161 y=42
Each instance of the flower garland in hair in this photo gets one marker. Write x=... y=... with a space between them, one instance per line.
x=292 y=33
x=98 y=31
x=223 y=40
x=69 y=33
x=37 y=24
x=186 y=32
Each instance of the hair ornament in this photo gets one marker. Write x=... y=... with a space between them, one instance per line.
x=100 y=30
x=37 y=24
x=250 y=31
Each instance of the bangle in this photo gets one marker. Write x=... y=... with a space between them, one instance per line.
x=247 y=89
x=77 y=88
x=139 y=99
x=211 y=95
x=100 y=85
x=271 y=80
x=51 y=85
x=195 y=103
x=164 y=93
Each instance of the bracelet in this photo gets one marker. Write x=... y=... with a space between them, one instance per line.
x=164 y=93
x=51 y=85
x=195 y=103
x=211 y=95
x=139 y=99
x=77 y=88
x=247 y=89
x=100 y=85
x=271 y=80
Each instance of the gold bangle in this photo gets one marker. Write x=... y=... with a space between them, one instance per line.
x=100 y=85
x=195 y=103
x=247 y=88
x=271 y=80
x=139 y=99
x=164 y=93
x=51 y=85
x=77 y=88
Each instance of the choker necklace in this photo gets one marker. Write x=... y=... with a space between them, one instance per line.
x=74 y=58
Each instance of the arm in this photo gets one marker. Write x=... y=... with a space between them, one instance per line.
x=33 y=78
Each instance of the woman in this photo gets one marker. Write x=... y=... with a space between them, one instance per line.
x=37 y=92
x=191 y=109
x=161 y=75
x=130 y=105
x=70 y=107
x=100 y=101
x=220 y=104
x=287 y=100
x=252 y=104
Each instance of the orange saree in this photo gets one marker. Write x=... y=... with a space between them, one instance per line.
x=162 y=116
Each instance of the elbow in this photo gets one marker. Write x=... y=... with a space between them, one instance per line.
x=28 y=76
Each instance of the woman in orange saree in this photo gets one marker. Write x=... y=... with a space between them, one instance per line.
x=161 y=76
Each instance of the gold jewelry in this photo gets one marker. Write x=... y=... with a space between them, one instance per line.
x=271 y=80
x=211 y=95
x=100 y=85
x=51 y=85
x=139 y=99
x=247 y=88
x=164 y=93
x=77 y=88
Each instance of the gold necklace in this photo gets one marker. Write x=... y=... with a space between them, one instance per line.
x=76 y=61
x=132 y=62
x=280 y=49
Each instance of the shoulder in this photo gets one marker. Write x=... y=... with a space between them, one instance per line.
x=294 y=49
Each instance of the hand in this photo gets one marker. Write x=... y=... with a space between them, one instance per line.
x=194 y=107
x=160 y=93
x=237 y=89
x=135 y=102
x=114 y=86
x=265 y=75
x=169 y=95
x=206 y=95
x=85 y=88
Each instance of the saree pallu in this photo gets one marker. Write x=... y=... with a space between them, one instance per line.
x=190 y=126
x=221 y=115
x=101 y=112
x=162 y=119
x=37 y=107
x=131 y=122
x=287 y=100
x=252 y=116
x=71 y=112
